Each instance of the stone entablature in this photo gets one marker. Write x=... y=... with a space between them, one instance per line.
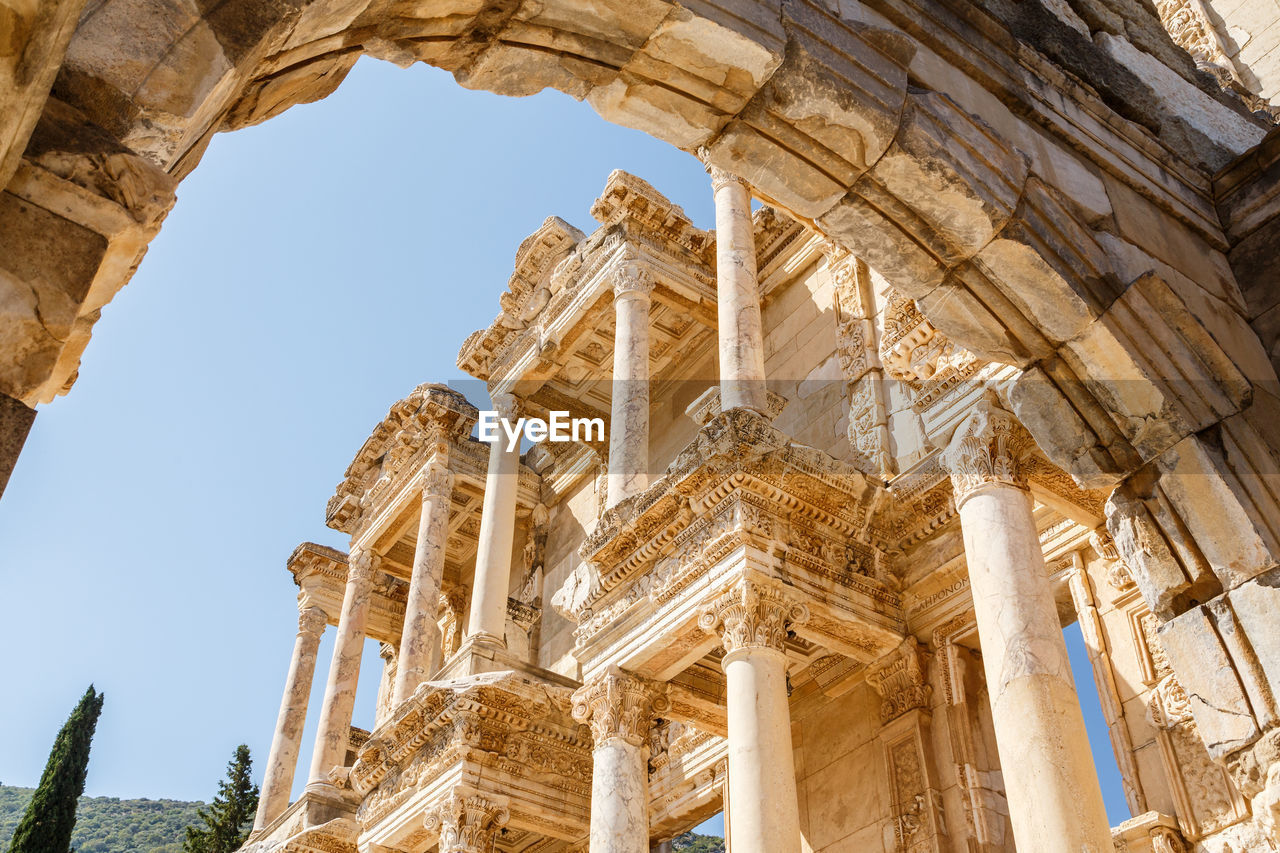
x=504 y=736
x=553 y=346
x=321 y=575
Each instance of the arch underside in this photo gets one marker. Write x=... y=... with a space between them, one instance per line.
x=1068 y=226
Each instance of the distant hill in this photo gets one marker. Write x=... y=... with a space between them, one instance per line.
x=109 y=824
x=112 y=825
x=693 y=843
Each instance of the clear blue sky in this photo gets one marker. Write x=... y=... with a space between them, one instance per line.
x=315 y=269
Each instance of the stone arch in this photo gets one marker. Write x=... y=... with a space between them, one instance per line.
x=1037 y=233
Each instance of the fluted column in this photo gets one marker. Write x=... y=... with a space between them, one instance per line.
x=420 y=641
x=629 y=404
x=1055 y=803
x=282 y=761
x=751 y=620
x=467 y=822
x=620 y=709
x=737 y=296
x=488 y=618
x=344 y=670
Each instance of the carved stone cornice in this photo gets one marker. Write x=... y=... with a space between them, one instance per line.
x=989 y=447
x=467 y=823
x=631 y=280
x=900 y=680
x=752 y=616
x=618 y=705
x=431 y=417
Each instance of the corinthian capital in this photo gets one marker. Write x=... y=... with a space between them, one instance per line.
x=437 y=481
x=719 y=177
x=988 y=447
x=312 y=621
x=361 y=565
x=506 y=405
x=467 y=823
x=752 y=616
x=619 y=705
x=631 y=279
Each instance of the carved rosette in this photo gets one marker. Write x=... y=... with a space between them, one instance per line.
x=752 y=616
x=617 y=704
x=467 y=823
x=989 y=447
x=312 y=621
x=362 y=565
x=899 y=678
x=632 y=280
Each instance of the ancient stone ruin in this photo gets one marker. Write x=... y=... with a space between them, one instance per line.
x=997 y=354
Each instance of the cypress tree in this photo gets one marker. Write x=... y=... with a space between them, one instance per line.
x=51 y=815
x=229 y=818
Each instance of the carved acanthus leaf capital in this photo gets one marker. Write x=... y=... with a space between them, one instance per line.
x=437 y=481
x=467 y=823
x=361 y=565
x=900 y=680
x=752 y=616
x=631 y=279
x=311 y=621
x=506 y=405
x=719 y=177
x=619 y=705
x=988 y=447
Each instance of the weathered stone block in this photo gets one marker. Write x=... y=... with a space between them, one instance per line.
x=1207 y=674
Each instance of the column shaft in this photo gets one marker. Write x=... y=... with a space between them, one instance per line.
x=620 y=709
x=1055 y=802
x=752 y=620
x=488 y=618
x=619 y=798
x=762 y=776
x=344 y=670
x=738 y=297
x=629 y=404
x=282 y=761
x=420 y=640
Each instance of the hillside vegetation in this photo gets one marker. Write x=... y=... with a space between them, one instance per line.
x=109 y=824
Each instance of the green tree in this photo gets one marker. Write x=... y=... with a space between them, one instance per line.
x=51 y=815
x=230 y=816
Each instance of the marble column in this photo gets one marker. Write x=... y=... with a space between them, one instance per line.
x=488 y=618
x=467 y=822
x=344 y=670
x=282 y=761
x=737 y=296
x=751 y=620
x=620 y=709
x=662 y=847
x=629 y=407
x=1055 y=802
x=420 y=642
x=386 y=684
